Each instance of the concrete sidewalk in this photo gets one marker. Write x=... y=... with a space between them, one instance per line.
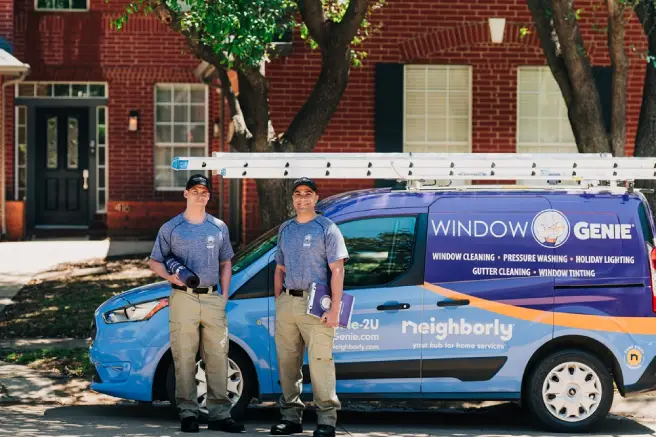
x=21 y=261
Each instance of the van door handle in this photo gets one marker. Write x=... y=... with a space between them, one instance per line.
x=453 y=303
x=393 y=306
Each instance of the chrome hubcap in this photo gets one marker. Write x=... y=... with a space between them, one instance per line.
x=235 y=384
x=572 y=392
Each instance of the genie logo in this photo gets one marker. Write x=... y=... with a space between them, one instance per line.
x=550 y=228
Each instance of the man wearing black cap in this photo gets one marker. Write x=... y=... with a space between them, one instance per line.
x=197 y=316
x=309 y=245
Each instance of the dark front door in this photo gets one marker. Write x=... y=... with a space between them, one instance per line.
x=62 y=167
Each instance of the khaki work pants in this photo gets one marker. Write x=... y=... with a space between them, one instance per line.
x=295 y=330
x=200 y=319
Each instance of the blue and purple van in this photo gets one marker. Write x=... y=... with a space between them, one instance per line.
x=539 y=296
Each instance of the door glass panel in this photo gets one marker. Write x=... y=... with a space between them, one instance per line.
x=380 y=249
x=72 y=144
x=52 y=142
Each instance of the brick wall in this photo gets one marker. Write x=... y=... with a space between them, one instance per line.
x=84 y=47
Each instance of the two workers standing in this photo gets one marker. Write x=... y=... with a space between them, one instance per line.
x=310 y=249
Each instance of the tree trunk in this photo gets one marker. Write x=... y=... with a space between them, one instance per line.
x=645 y=144
x=275 y=201
x=616 y=31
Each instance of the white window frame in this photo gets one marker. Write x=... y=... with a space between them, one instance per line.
x=205 y=145
x=542 y=70
x=37 y=8
x=52 y=96
x=439 y=144
x=105 y=167
x=17 y=127
x=538 y=147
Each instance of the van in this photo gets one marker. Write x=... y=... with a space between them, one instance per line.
x=542 y=296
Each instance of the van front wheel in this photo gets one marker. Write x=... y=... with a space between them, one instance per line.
x=570 y=391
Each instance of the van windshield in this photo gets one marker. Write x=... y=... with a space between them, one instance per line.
x=255 y=250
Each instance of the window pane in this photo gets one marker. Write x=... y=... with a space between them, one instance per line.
x=415 y=103
x=22 y=177
x=163 y=156
x=415 y=78
x=528 y=105
x=101 y=155
x=197 y=134
x=181 y=114
x=80 y=90
x=180 y=134
x=197 y=96
x=62 y=90
x=415 y=129
x=180 y=178
x=101 y=175
x=198 y=114
x=163 y=113
x=436 y=79
x=72 y=146
x=101 y=135
x=22 y=115
x=181 y=95
x=79 y=4
x=163 y=133
x=196 y=151
x=163 y=177
x=43 y=90
x=26 y=90
x=163 y=95
x=101 y=200
x=379 y=249
x=22 y=154
x=52 y=143
x=97 y=91
x=458 y=129
x=22 y=133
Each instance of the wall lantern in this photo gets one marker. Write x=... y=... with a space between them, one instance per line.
x=133 y=121
x=216 y=131
x=497 y=26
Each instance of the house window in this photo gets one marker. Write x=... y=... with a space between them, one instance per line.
x=61 y=90
x=62 y=5
x=101 y=160
x=437 y=108
x=180 y=130
x=542 y=122
x=20 y=174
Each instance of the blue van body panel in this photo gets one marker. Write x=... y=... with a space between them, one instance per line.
x=502 y=274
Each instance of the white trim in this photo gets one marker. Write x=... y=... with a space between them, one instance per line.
x=170 y=145
x=106 y=153
x=70 y=90
x=70 y=9
x=17 y=166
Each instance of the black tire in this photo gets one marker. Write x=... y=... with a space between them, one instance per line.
x=537 y=406
x=248 y=374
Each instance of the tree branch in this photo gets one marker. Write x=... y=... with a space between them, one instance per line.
x=315 y=20
x=344 y=31
x=241 y=136
x=619 y=63
x=254 y=101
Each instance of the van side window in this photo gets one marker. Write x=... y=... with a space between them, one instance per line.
x=380 y=249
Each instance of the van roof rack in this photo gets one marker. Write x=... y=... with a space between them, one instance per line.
x=416 y=169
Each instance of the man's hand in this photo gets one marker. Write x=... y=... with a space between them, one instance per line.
x=174 y=279
x=331 y=318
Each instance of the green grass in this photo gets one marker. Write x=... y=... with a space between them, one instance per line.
x=64 y=307
x=59 y=361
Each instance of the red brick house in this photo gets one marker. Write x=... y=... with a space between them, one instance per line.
x=90 y=133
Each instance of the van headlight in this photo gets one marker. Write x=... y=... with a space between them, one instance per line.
x=135 y=313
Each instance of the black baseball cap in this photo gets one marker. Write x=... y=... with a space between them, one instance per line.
x=307 y=182
x=198 y=179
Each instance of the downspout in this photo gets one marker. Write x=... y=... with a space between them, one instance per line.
x=4 y=144
x=221 y=146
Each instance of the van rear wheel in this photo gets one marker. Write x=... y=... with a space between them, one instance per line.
x=570 y=391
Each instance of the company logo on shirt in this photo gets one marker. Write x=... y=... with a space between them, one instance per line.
x=307 y=241
x=210 y=242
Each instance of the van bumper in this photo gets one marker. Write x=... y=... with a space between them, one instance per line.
x=646 y=382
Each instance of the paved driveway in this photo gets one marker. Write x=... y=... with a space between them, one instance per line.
x=143 y=420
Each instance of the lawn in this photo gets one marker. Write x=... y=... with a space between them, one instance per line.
x=61 y=304
x=62 y=362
